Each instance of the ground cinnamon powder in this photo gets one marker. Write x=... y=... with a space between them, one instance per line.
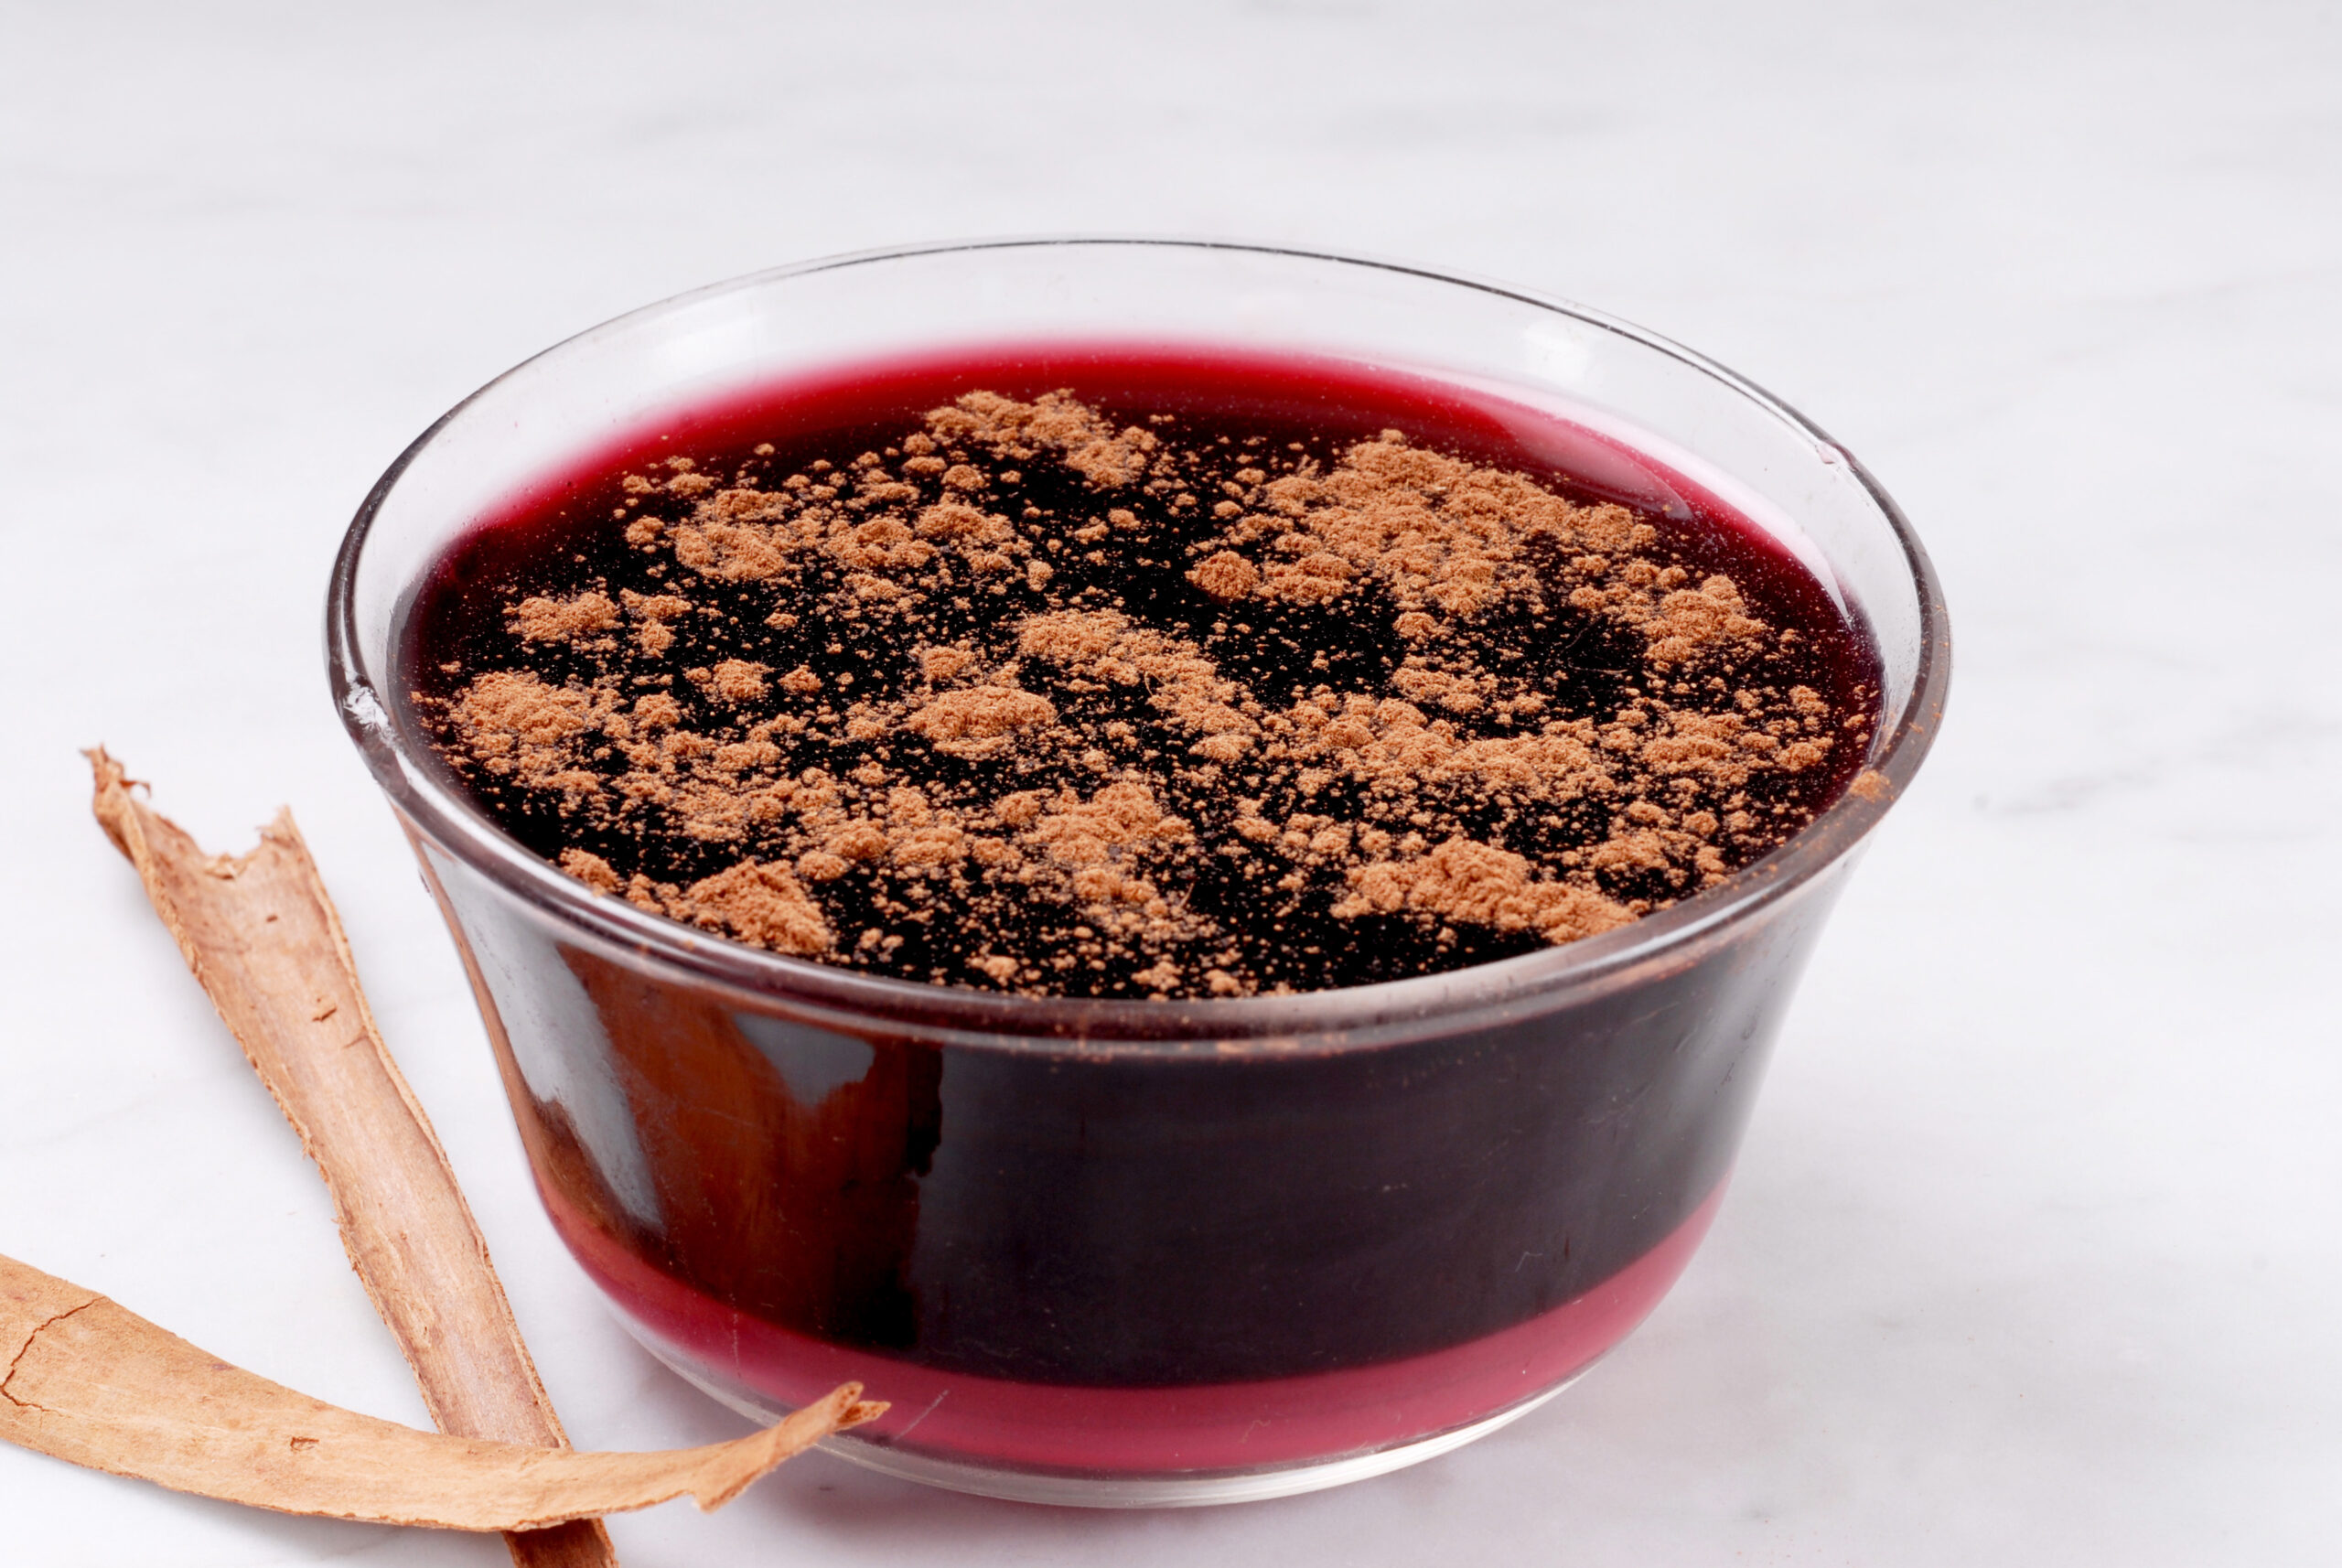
x=1150 y=717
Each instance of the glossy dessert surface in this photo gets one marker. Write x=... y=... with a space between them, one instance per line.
x=1185 y=676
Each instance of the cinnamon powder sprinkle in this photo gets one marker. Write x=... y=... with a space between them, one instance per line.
x=1029 y=702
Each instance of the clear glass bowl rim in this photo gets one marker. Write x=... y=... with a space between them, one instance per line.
x=1354 y=1016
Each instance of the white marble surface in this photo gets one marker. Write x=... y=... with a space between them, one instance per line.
x=2036 y=1253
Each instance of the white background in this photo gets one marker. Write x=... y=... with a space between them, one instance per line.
x=2036 y=1253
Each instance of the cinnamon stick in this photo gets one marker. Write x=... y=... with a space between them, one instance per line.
x=261 y=935
x=92 y=1383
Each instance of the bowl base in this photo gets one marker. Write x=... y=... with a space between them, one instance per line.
x=1200 y=1488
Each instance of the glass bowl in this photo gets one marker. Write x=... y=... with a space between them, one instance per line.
x=1130 y=1253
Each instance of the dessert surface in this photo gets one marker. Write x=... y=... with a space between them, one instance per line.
x=1179 y=682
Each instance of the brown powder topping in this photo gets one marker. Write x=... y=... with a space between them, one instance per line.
x=763 y=906
x=978 y=721
x=1041 y=700
x=541 y=619
x=1226 y=575
x=1482 y=885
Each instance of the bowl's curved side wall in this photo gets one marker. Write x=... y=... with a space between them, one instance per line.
x=1121 y=1219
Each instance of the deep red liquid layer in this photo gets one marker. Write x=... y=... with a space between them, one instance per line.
x=1204 y=1426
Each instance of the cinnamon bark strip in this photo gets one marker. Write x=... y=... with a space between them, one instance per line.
x=89 y=1382
x=261 y=935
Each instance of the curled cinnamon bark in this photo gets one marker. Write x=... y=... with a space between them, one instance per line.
x=261 y=935
x=89 y=1382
